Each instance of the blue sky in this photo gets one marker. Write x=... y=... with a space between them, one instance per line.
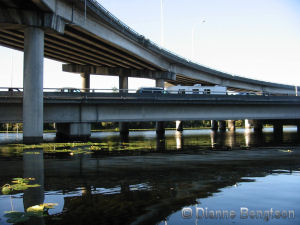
x=253 y=38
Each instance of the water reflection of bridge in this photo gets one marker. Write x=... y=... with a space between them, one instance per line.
x=138 y=190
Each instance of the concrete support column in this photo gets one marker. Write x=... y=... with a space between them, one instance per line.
x=214 y=125
x=258 y=126
x=160 y=83
x=124 y=128
x=247 y=124
x=222 y=125
x=33 y=85
x=85 y=81
x=231 y=125
x=277 y=128
x=298 y=128
x=160 y=128
x=179 y=125
x=123 y=84
x=73 y=131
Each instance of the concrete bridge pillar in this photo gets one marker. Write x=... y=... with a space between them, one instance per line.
x=277 y=128
x=160 y=129
x=258 y=126
x=231 y=125
x=124 y=128
x=222 y=125
x=214 y=125
x=73 y=131
x=179 y=125
x=85 y=81
x=33 y=85
x=160 y=83
x=123 y=86
x=298 y=128
x=247 y=124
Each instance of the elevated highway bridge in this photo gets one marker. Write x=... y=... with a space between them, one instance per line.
x=90 y=40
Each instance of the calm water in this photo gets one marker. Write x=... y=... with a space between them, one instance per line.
x=191 y=178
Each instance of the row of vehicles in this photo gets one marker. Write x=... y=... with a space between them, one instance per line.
x=196 y=89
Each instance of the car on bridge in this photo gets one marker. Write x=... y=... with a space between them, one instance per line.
x=69 y=90
x=198 y=89
x=151 y=90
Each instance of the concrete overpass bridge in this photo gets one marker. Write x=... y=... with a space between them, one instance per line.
x=74 y=112
x=90 y=40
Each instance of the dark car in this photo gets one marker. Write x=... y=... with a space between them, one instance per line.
x=151 y=90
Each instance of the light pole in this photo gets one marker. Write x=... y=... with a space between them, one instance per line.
x=193 y=39
x=162 y=23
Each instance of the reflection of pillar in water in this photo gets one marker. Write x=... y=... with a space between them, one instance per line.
x=213 y=137
x=230 y=138
x=124 y=137
x=33 y=165
x=178 y=136
x=160 y=143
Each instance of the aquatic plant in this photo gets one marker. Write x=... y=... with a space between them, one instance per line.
x=33 y=211
x=19 y=184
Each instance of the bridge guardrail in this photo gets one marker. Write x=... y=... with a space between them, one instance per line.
x=13 y=91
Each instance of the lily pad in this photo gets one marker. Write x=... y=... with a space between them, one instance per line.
x=16 y=217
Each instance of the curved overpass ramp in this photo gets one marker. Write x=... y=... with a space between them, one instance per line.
x=85 y=36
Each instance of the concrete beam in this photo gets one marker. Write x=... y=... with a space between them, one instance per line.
x=118 y=71
x=24 y=18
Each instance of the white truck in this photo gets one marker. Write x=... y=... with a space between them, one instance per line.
x=197 y=89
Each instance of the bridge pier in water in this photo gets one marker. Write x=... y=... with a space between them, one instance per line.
x=179 y=125
x=123 y=88
x=160 y=128
x=33 y=85
x=222 y=125
x=214 y=125
x=247 y=124
x=277 y=127
x=73 y=131
x=258 y=126
x=231 y=125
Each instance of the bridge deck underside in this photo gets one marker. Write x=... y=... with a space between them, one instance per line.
x=77 y=47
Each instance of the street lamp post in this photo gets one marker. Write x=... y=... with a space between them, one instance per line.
x=193 y=39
